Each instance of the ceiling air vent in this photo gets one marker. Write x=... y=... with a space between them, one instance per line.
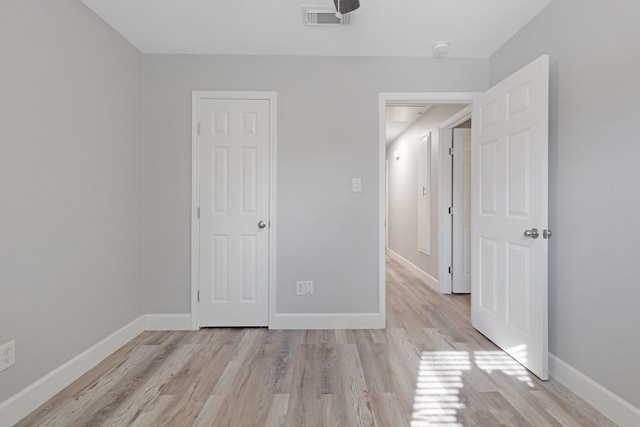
x=323 y=16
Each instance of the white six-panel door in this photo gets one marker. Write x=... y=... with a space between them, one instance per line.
x=461 y=228
x=233 y=190
x=509 y=198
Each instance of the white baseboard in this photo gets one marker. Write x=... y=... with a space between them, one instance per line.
x=609 y=404
x=26 y=401
x=426 y=277
x=327 y=321
x=167 y=322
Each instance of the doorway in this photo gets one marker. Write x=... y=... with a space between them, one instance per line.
x=441 y=280
x=452 y=261
x=509 y=190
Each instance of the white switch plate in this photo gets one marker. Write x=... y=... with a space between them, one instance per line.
x=301 y=287
x=7 y=355
x=356 y=185
x=309 y=287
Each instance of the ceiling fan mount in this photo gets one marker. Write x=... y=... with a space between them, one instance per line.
x=346 y=6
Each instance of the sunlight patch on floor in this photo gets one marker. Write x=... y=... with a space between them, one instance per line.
x=440 y=380
x=437 y=399
x=490 y=361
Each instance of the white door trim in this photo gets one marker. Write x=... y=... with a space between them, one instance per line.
x=197 y=95
x=444 y=198
x=386 y=202
x=390 y=98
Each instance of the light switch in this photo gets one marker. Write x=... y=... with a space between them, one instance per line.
x=356 y=185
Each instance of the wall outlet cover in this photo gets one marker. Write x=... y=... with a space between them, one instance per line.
x=7 y=355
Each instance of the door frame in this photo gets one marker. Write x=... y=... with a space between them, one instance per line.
x=386 y=203
x=391 y=98
x=196 y=96
x=445 y=188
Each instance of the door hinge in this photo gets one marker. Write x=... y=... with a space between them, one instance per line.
x=451 y=151
x=198 y=128
x=450 y=270
x=198 y=296
x=450 y=210
x=198 y=212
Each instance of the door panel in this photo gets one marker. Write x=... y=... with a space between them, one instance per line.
x=233 y=181
x=219 y=268
x=461 y=226
x=519 y=174
x=249 y=185
x=519 y=287
x=248 y=268
x=220 y=180
x=509 y=180
x=488 y=277
x=424 y=194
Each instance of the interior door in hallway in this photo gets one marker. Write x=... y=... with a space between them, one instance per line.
x=509 y=215
x=461 y=227
x=233 y=179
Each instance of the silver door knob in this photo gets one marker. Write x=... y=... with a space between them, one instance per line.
x=533 y=233
x=262 y=224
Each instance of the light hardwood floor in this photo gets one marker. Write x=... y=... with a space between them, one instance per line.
x=428 y=367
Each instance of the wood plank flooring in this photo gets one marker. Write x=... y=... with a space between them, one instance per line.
x=429 y=367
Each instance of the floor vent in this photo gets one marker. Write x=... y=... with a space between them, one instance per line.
x=320 y=17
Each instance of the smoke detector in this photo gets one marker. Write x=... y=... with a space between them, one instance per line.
x=440 y=49
x=319 y=16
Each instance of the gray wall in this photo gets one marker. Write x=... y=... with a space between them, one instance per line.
x=327 y=134
x=71 y=180
x=403 y=188
x=594 y=293
x=70 y=184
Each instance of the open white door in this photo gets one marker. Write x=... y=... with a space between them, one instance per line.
x=509 y=215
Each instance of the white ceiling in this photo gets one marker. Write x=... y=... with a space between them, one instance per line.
x=400 y=117
x=475 y=28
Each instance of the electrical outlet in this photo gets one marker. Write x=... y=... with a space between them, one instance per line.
x=309 y=287
x=7 y=355
x=301 y=287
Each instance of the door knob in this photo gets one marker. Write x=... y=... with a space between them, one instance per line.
x=262 y=224
x=533 y=233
